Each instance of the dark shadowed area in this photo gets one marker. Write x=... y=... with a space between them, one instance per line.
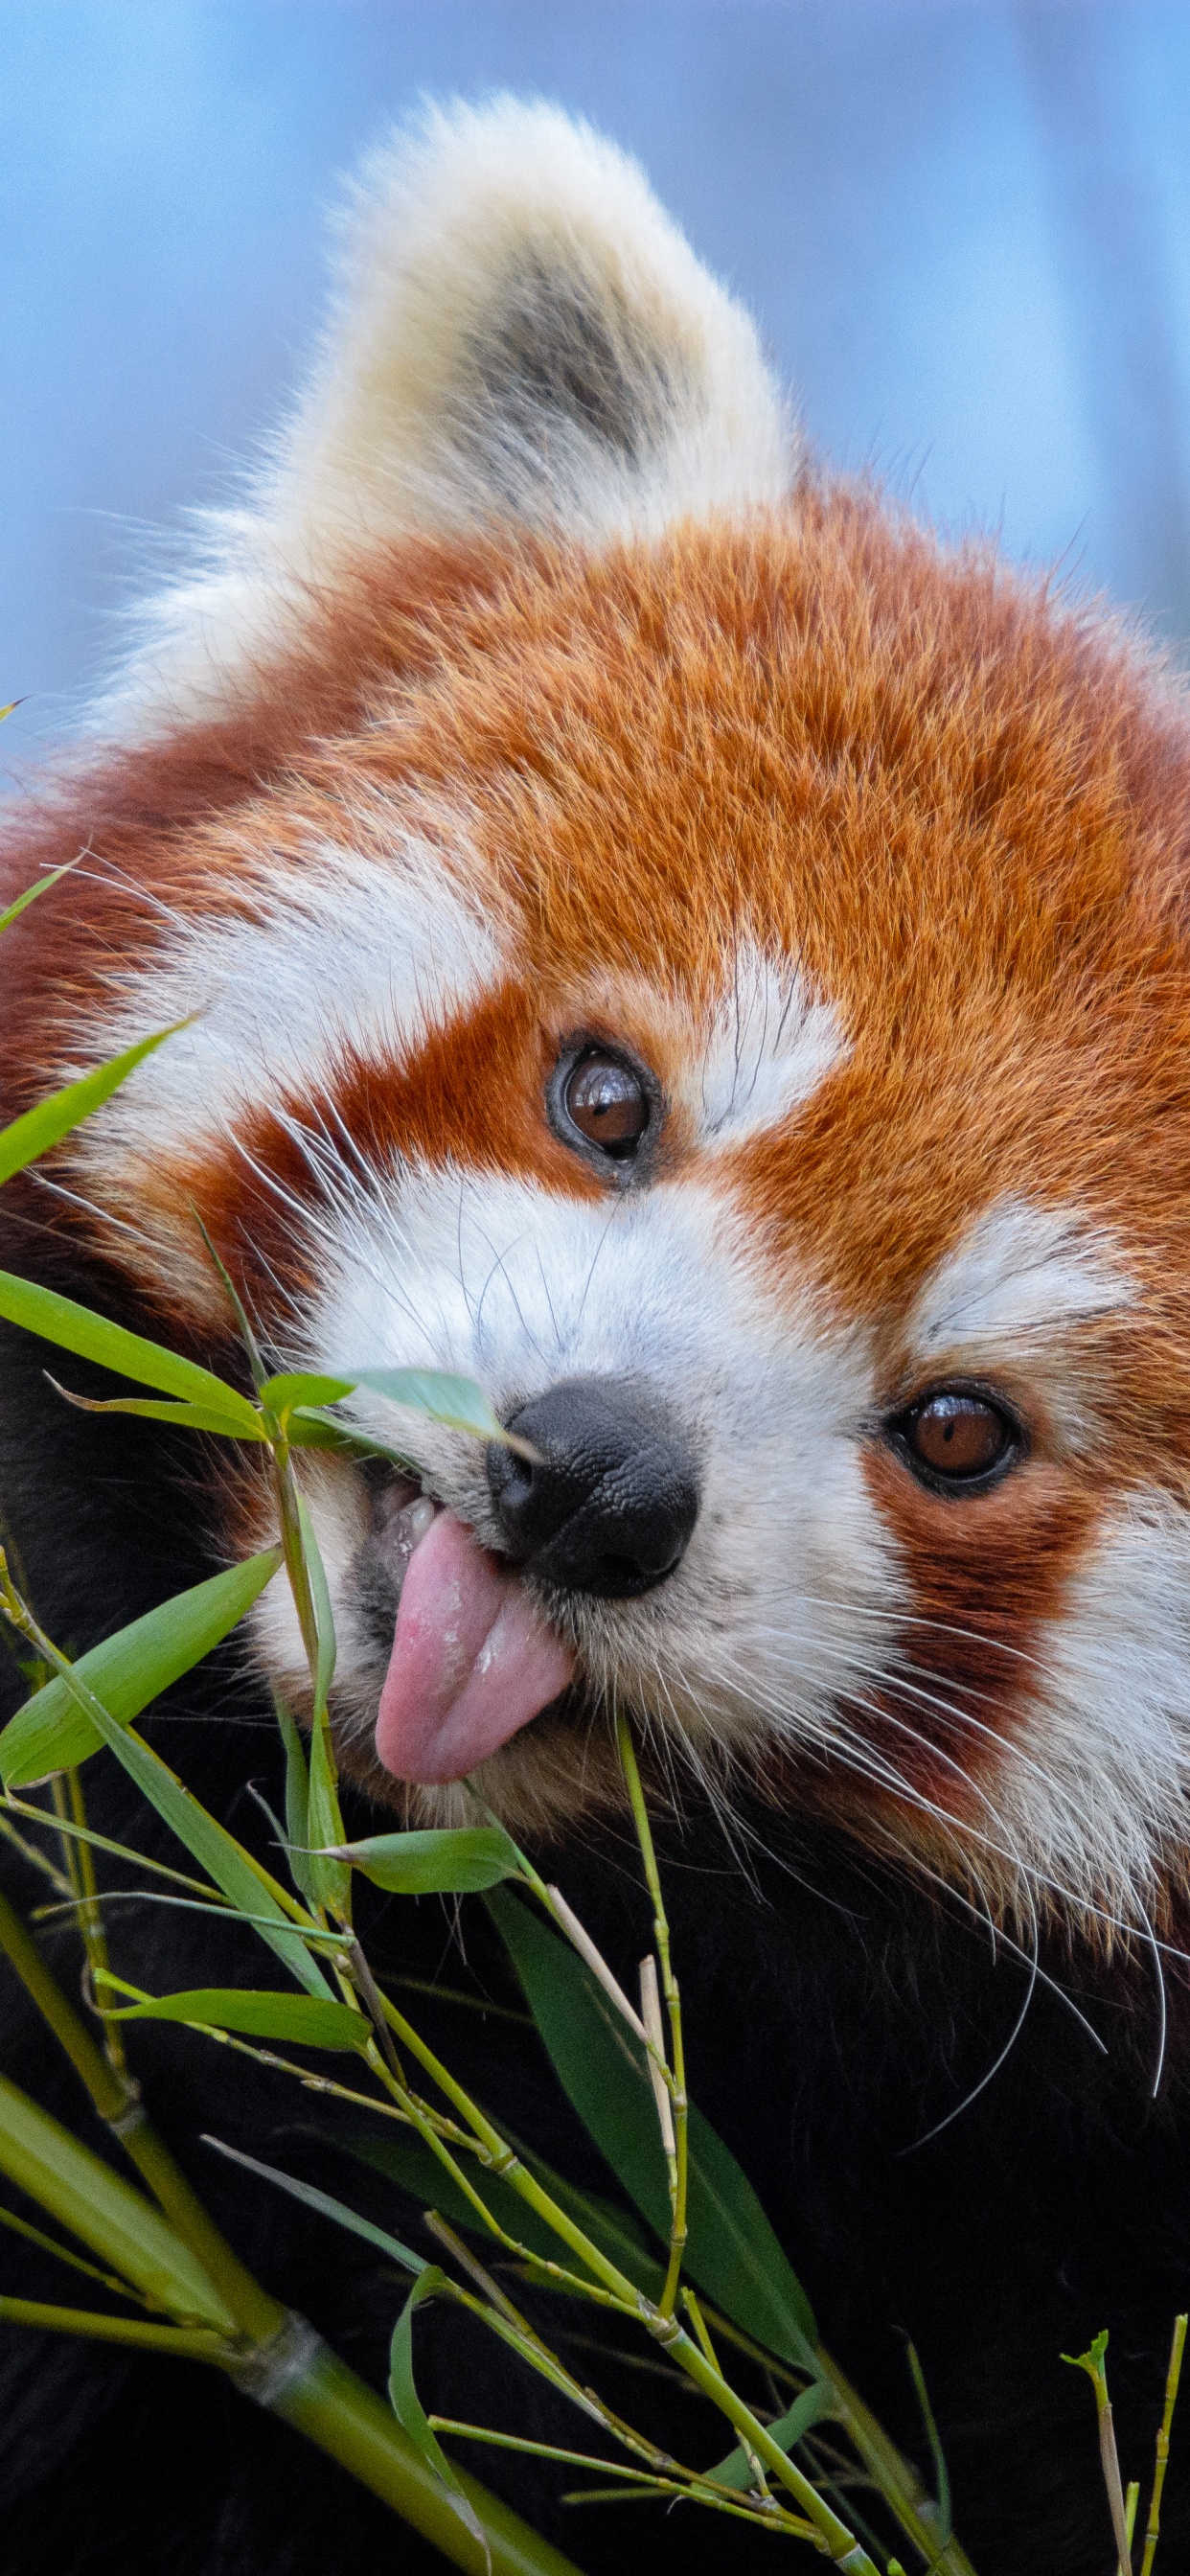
x=965 y=230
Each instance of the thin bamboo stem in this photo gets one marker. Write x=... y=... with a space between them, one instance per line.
x=1153 y=2529
x=678 y=2162
x=112 y=2094
x=840 y=2544
x=186 y=2343
x=684 y=2482
x=80 y=1861
x=896 y=2478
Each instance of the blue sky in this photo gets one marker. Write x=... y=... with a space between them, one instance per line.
x=965 y=230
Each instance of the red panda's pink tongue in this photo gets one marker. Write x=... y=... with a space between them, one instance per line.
x=471 y=1661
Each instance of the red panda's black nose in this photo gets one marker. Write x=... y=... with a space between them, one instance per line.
x=610 y=1502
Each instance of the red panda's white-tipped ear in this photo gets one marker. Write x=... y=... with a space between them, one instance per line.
x=519 y=334
x=522 y=332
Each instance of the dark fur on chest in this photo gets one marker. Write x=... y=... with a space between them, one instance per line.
x=835 y=2014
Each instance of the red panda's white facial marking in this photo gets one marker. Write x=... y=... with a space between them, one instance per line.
x=1098 y=1811
x=1022 y=1276
x=769 y=1042
x=351 y=950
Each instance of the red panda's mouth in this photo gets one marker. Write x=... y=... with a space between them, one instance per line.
x=472 y=1660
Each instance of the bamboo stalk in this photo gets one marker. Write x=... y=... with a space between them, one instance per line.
x=1153 y=2530
x=292 y=2373
x=335 y=2409
x=117 y=2100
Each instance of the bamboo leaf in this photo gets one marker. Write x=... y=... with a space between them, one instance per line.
x=241 y=1878
x=54 y=1117
x=453 y=1862
x=297 y=1386
x=303 y=2021
x=323 y=1939
x=937 y=2454
x=188 y=2343
x=328 y=2207
x=408 y=2408
x=151 y=1408
x=731 y=2249
x=103 y=2210
x=456 y=1401
x=297 y=1804
x=323 y=1615
x=65 y=1825
x=52 y=1733
x=307 y=1428
x=14 y=910
x=66 y=2254
x=94 y=1337
x=806 y=2411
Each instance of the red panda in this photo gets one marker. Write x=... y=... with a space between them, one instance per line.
x=661 y=934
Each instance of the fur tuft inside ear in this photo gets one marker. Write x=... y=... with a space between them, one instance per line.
x=519 y=335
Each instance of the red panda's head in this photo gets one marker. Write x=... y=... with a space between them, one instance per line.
x=671 y=943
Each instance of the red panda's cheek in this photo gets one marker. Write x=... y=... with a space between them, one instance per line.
x=988 y=1573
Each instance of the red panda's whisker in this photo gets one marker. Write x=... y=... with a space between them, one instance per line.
x=108 y=872
x=898 y=1619
x=103 y=1216
x=1001 y=1935
x=806 y=1729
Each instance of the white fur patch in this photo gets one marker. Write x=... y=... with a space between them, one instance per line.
x=1096 y=1799
x=770 y=1048
x=343 y=954
x=789 y=1587
x=520 y=334
x=1022 y=1274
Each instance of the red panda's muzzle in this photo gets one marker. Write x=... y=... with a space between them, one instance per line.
x=604 y=1502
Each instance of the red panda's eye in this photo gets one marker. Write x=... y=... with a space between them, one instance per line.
x=957 y=1438
x=606 y=1101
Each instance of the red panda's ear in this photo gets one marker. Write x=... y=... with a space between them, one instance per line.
x=522 y=332
x=519 y=334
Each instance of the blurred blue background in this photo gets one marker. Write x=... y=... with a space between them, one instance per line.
x=965 y=230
